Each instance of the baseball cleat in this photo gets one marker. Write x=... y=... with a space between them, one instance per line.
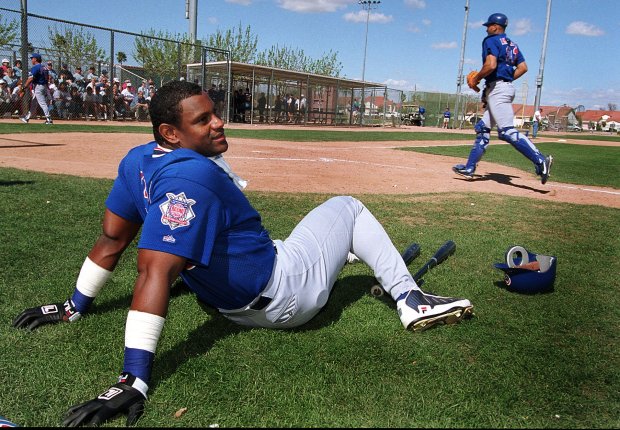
x=460 y=169
x=419 y=311
x=545 y=169
x=23 y=119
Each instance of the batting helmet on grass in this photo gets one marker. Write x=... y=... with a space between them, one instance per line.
x=526 y=272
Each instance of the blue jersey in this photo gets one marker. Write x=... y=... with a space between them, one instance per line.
x=508 y=57
x=446 y=114
x=191 y=208
x=39 y=74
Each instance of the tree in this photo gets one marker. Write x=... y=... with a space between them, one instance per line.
x=75 y=46
x=241 y=44
x=121 y=57
x=291 y=59
x=612 y=106
x=8 y=31
x=160 y=57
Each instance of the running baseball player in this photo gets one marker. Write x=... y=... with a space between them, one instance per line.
x=39 y=78
x=503 y=62
x=197 y=224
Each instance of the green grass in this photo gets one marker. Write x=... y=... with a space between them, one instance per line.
x=575 y=164
x=542 y=361
x=293 y=135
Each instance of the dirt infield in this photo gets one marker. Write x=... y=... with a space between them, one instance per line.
x=326 y=167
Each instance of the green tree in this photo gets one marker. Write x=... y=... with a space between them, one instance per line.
x=160 y=52
x=241 y=44
x=8 y=31
x=296 y=59
x=121 y=57
x=75 y=46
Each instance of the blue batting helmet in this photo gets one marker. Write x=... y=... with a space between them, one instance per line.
x=497 y=18
x=526 y=272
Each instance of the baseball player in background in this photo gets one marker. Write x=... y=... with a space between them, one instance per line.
x=503 y=62
x=39 y=78
x=197 y=224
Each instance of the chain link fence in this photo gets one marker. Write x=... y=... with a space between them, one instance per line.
x=96 y=73
x=99 y=73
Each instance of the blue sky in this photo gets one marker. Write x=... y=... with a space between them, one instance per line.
x=412 y=44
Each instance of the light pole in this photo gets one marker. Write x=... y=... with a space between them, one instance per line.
x=367 y=5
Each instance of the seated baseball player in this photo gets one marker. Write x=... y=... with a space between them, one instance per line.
x=197 y=223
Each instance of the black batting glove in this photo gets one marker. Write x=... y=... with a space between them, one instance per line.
x=120 y=398
x=47 y=314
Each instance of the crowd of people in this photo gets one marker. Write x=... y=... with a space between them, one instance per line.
x=286 y=108
x=70 y=94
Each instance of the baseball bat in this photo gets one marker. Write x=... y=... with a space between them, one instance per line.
x=441 y=255
x=411 y=253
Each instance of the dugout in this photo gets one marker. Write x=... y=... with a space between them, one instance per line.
x=328 y=99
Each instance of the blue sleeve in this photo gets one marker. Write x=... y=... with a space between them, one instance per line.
x=120 y=199
x=184 y=218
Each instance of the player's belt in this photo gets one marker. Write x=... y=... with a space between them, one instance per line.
x=261 y=303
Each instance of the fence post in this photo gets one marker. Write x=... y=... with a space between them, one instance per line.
x=112 y=72
x=24 y=54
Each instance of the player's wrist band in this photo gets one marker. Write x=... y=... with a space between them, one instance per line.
x=142 y=330
x=92 y=278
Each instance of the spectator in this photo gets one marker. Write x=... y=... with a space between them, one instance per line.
x=17 y=68
x=140 y=106
x=118 y=101
x=90 y=104
x=300 y=109
x=53 y=75
x=75 y=103
x=5 y=99
x=99 y=102
x=247 y=104
x=220 y=100
x=355 y=109
x=6 y=65
x=65 y=74
x=290 y=107
x=144 y=86
x=9 y=78
x=262 y=104
x=91 y=73
x=62 y=101
x=128 y=96
x=77 y=75
x=106 y=101
x=277 y=108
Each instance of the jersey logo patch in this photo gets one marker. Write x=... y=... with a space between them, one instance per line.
x=177 y=211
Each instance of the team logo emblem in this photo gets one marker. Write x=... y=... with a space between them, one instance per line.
x=177 y=211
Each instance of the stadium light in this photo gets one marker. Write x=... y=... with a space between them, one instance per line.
x=367 y=5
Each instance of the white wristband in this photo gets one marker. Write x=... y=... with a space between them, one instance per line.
x=142 y=330
x=92 y=278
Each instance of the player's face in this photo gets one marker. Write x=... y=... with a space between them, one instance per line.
x=200 y=129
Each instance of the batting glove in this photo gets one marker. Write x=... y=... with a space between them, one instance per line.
x=47 y=314
x=120 y=398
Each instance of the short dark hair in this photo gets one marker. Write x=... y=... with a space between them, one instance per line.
x=165 y=106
